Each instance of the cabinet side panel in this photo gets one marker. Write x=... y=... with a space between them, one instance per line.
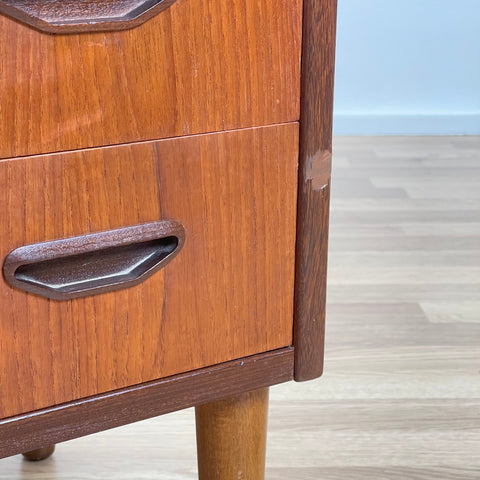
x=316 y=117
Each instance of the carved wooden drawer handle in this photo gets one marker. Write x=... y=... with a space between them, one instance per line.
x=94 y=263
x=73 y=16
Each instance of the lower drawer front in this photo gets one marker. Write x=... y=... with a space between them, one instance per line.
x=228 y=293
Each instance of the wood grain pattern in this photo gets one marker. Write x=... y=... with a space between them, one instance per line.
x=318 y=62
x=231 y=286
x=67 y=16
x=196 y=67
x=67 y=421
x=232 y=437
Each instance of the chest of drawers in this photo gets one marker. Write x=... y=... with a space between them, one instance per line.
x=164 y=174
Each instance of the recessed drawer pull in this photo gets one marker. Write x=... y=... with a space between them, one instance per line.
x=74 y=16
x=94 y=263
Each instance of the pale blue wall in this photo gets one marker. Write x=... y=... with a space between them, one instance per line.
x=408 y=67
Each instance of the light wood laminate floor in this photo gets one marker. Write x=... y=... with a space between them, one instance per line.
x=400 y=397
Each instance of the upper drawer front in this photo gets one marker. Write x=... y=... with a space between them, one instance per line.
x=226 y=295
x=199 y=66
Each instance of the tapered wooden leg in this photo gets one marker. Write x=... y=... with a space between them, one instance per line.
x=39 y=454
x=231 y=437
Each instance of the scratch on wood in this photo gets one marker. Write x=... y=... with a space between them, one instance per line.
x=318 y=168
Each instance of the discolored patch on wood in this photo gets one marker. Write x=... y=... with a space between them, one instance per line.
x=318 y=168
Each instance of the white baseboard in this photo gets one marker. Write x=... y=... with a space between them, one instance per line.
x=417 y=124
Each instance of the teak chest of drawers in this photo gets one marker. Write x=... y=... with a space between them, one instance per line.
x=164 y=184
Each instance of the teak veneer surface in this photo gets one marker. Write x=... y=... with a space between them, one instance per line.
x=228 y=294
x=197 y=67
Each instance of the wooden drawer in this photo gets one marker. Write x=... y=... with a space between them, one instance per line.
x=198 y=66
x=231 y=285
